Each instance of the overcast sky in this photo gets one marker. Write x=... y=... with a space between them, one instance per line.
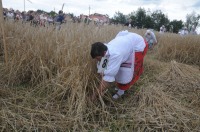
x=174 y=9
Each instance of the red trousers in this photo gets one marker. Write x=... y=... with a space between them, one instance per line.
x=138 y=68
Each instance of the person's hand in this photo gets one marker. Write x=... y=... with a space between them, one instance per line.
x=101 y=75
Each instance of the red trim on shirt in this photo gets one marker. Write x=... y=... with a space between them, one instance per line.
x=138 y=68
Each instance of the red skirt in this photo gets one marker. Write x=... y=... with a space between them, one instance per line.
x=138 y=68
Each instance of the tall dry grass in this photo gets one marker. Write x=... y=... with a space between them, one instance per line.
x=182 y=49
x=50 y=77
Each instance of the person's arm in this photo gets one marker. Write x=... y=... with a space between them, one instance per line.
x=109 y=74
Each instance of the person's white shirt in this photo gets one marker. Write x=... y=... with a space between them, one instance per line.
x=129 y=25
x=162 y=29
x=42 y=17
x=122 y=50
x=10 y=15
x=184 y=32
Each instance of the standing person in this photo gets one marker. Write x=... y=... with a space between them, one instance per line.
x=171 y=29
x=4 y=13
x=184 y=32
x=120 y=61
x=193 y=31
x=162 y=29
x=23 y=17
x=59 y=20
x=150 y=38
x=10 y=15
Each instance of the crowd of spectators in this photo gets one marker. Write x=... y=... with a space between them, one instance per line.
x=37 y=18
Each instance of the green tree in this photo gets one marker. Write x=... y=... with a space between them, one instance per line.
x=159 y=19
x=192 y=19
x=119 y=18
x=132 y=16
x=177 y=25
x=148 y=22
x=52 y=13
x=140 y=17
x=133 y=21
x=71 y=15
x=40 y=11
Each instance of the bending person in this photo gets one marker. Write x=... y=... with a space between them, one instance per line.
x=120 y=61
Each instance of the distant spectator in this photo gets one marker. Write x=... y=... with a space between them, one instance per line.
x=60 y=17
x=43 y=19
x=162 y=29
x=171 y=28
x=4 y=14
x=50 y=20
x=150 y=38
x=17 y=17
x=59 y=20
x=78 y=19
x=184 y=31
x=23 y=17
x=193 y=31
x=36 y=20
x=128 y=24
x=10 y=15
x=32 y=19
x=86 y=20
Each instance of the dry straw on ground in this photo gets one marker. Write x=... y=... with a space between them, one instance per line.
x=50 y=77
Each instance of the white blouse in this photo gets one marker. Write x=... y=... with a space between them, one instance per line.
x=122 y=50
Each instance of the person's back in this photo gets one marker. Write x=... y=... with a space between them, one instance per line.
x=120 y=47
x=135 y=40
x=125 y=44
x=121 y=51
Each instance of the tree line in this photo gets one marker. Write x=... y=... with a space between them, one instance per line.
x=145 y=19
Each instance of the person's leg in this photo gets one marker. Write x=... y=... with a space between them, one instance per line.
x=118 y=94
x=150 y=44
x=124 y=75
x=123 y=87
x=138 y=70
